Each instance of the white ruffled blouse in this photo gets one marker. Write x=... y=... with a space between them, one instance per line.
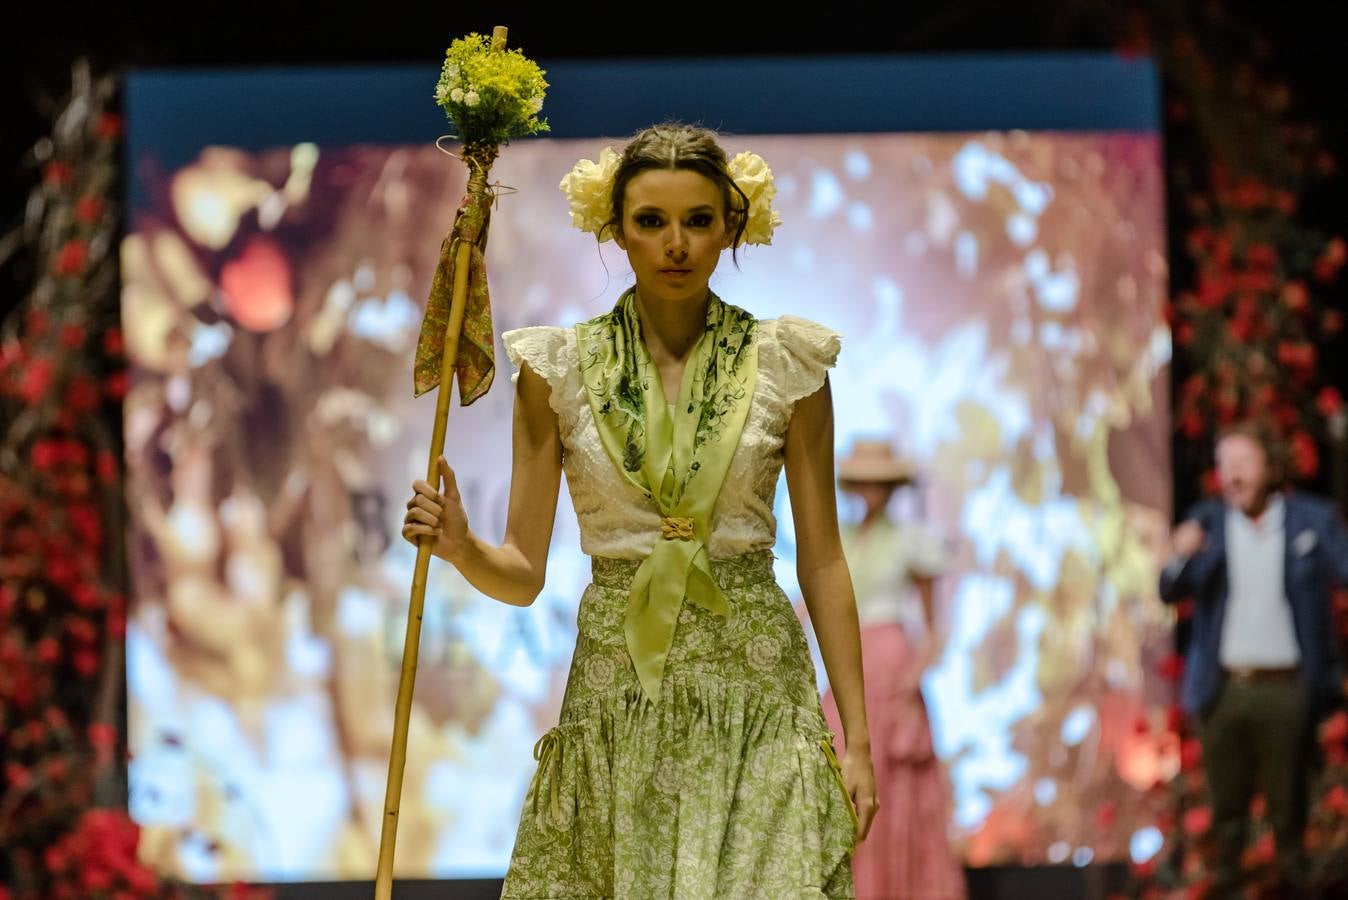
x=615 y=519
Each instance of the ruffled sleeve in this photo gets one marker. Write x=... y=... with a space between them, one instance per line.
x=550 y=351
x=806 y=351
x=925 y=552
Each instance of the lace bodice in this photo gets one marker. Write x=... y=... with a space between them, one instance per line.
x=615 y=519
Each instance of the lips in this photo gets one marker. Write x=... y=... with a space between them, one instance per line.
x=675 y=272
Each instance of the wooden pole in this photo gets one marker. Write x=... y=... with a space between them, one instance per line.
x=383 y=888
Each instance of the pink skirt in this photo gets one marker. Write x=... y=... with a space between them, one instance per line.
x=906 y=856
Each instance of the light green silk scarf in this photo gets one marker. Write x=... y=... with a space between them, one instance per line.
x=677 y=461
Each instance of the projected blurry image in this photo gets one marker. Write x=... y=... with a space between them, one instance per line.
x=1000 y=297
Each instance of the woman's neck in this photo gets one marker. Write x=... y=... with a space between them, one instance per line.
x=873 y=518
x=671 y=330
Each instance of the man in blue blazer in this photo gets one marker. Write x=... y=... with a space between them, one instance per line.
x=1262 y=666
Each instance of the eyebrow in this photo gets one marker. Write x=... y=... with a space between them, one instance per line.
x=647 y=207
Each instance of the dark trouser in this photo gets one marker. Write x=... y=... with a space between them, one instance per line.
x=1258 y=735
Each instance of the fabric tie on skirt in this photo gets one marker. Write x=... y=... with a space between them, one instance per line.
x=548 y=754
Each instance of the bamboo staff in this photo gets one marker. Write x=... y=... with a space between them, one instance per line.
x=470 y=231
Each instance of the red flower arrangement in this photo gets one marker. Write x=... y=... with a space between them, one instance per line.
x=62 y=592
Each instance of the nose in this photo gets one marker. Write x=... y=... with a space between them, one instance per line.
x=676 y=247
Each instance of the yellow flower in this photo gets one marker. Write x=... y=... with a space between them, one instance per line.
x=589 y=191
x=490 y=96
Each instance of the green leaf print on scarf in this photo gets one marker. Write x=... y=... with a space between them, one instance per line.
x=679 y=462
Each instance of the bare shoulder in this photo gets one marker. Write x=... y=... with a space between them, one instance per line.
x=535 y=405
x=812 y=411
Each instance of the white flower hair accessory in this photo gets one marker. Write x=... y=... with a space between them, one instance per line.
x=589 y=191
x=750 y=171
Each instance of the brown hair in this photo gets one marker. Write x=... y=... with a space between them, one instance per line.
x=1259 y=432
x=674 y=145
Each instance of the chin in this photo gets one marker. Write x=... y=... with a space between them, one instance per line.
x=679 y=292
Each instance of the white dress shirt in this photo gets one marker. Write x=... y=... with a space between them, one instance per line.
x=1258 y=630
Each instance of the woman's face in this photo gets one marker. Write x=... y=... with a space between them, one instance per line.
x=874 y=494
x=673 y=230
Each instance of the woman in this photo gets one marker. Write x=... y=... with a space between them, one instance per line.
x=908 y=856
x=691 y=758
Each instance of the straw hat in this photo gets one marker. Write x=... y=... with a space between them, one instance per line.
x=874 y=460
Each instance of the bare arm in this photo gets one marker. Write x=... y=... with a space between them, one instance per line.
x=513 y=572
x=827 y=585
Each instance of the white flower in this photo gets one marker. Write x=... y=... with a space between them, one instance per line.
x=762 y=652
x=599 y=672
x=589 y=190
x=751 y=173
x=741 y=837
x=666 y=776
x=470 y=98
x=695 y=636
x=563 y=817
x=441 y=93
x=535 y=104
x=456 y=95
x=760 y=765
x=452 y=70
